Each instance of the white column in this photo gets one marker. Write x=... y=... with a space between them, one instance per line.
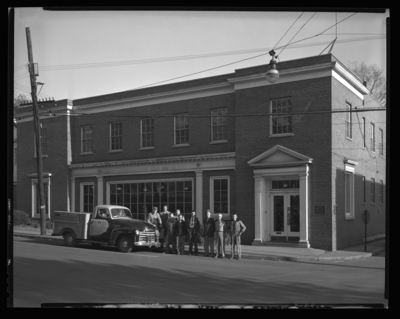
x=199 y=195
x=100 y=190
x=72 y=194
x=304 y=240
x=258 y=207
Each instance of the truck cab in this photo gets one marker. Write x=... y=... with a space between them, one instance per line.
x=109 y=225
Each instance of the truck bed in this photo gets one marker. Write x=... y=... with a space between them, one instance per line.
x=78 y=222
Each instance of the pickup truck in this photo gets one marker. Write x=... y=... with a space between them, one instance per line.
x=109 y=225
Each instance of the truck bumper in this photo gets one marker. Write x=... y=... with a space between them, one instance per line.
x=148 y=244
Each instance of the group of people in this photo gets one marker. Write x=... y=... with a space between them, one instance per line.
x=172 y=230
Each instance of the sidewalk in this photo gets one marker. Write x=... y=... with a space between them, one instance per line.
x=268 y=253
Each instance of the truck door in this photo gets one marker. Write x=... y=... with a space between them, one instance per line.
x=100 y=225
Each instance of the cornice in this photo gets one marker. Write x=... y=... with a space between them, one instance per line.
x=162 y=160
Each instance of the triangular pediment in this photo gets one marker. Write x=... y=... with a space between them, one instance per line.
x=279 y=156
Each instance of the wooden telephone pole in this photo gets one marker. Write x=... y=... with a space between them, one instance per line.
x=36 y=122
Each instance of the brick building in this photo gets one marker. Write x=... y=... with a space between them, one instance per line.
x=290 y=158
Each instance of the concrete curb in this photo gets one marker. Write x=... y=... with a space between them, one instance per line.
x=247 y=256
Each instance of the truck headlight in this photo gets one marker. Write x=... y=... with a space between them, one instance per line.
x=137 y=232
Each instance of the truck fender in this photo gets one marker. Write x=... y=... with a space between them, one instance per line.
x=68 y=230
x=116 y=233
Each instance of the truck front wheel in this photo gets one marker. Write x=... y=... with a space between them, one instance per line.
x=69 y=240
x=124 y=244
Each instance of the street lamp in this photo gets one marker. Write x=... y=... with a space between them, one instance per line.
x=272 y=74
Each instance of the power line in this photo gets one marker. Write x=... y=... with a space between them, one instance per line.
x=296 y=33
x=288 y=30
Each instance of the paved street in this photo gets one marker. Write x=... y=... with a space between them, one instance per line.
x=49 y=272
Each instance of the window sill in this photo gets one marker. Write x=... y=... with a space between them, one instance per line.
x=146 y=148
x=115 y=151
x=42 y=156
x=349 y=139
x=281 y=135
x=349 y=217
x=181 y=145
x=86 y=153
x=219 y=142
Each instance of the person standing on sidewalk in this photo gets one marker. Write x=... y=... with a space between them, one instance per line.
x=194 y=229
x=170 y=238
x=209 y=230
x=164 y=215
x=155 y=219
x=180 y=231
x=237 y=228
x=220 y=228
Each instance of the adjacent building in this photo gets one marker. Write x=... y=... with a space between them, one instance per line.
x=298 y=160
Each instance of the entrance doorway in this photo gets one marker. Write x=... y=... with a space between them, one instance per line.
x=285 y=217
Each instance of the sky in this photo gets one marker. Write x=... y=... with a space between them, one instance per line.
x=87 y=53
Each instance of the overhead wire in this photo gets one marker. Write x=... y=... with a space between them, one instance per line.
x=288 y=30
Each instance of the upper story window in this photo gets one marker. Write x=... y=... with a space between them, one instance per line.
x=364 y=133
x=372 y=137
x=219 y=124
x=43 y=142
x=281 y=119
x=348 y=122
x=147 y=132
x=115 y=136
x=181 y=129
x=86 y=139
x=380 y=142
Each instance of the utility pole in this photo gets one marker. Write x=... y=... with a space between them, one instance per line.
x=36 y=122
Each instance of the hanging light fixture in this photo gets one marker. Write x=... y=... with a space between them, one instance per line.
x=272 y=74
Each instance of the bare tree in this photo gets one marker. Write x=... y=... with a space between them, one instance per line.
x=374 y=78
x=19 y=99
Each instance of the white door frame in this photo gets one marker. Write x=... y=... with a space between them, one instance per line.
x=286 y=232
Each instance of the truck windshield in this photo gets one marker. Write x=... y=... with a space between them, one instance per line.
x=120 y=213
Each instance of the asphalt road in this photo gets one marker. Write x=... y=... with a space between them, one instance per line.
x=48 y=272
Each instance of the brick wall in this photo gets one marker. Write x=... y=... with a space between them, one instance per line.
x=370 y=165
x=312 y=137
x=55 y=163
x=199 y=130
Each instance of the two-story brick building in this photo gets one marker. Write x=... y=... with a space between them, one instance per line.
x=293 y=159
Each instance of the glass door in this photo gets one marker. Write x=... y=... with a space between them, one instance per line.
x=285 y=215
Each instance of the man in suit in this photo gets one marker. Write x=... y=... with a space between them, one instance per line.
x=237 y=228
x=220 y=228
x=170 y=243
x=193 y=229
x=180 y=231
x=209 y=230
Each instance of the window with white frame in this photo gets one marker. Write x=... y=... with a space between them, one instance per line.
x=281 y=118
x=372 y=137
x=373 y=190
x=219 y=124
x=349 y=191
x=87 y=197
x=219 y=195
x=181 y=129
x=86 y=139
x=381 y=192
x=36 y=200
x=43 y=142
x=115 y=136
x=364 y=133
x=380 y=142
x=147 y=132
x=348 y=122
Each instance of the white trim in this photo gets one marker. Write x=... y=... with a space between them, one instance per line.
x=302 y=158
x=347 y=84
x=158 y=98
x=81 y=186
x=34 y=182
x=212 y=178
x=349 y=169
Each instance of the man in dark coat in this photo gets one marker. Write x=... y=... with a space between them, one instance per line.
x=180 y=232
x=170 y=242
x=209 y=230
x=193 y=229
x=237 y=228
